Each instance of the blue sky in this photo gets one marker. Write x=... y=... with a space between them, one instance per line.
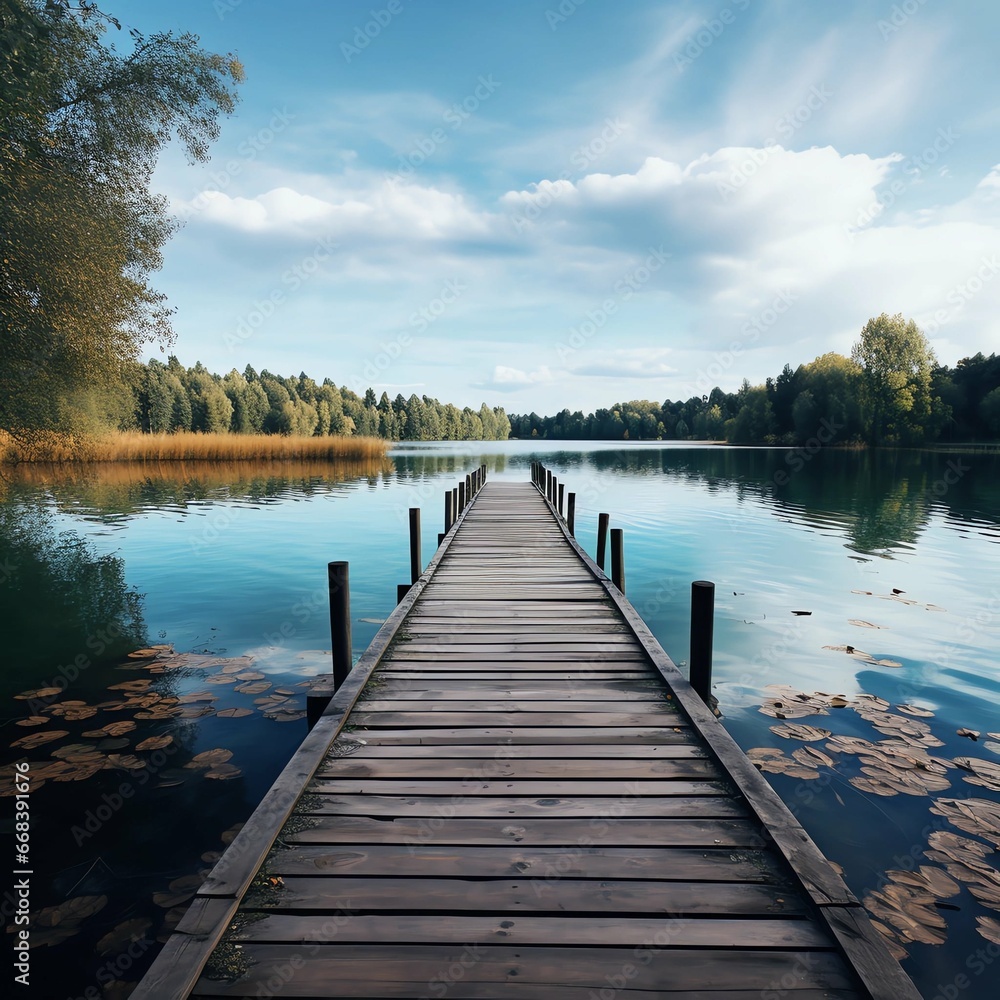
x=549 y=203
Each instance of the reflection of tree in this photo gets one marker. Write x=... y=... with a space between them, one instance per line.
x=63 y=603
x=881 y=498
x=117 y=489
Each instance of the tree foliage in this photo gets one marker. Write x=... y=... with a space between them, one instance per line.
x=81 y=126
x=896 y=364
x=889 y=392
x=170 y=397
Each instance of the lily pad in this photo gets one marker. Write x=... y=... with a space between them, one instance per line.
x=795 y=731
x=234 y=713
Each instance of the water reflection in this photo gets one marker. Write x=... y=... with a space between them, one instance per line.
x=119 y=489
x=64 y=604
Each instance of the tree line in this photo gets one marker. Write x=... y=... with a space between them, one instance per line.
x=891 y=391
x=169 y=397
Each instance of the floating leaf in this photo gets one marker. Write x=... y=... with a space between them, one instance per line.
x=196 y=696
x=254 y=687
x=48 y=692
x=223 y=772
x=989 y=927
x=155 y=743
x=861 y=623
x=33 y=740
x=972 y=734
x=119 y=728
x=984 y=772
x=795 y=731
x=978 y=816
x=210 y=758
x=916 y=711
x=140 y=684
x=228 y=836
x=126 y=762
x=33 y=720
x=234 y=713
x=124 y=934
x=220 y=679
x=250 y=675
x=150 y=652
x=287 y=716
x=812 y=757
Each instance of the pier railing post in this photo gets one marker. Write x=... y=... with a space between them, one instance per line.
x=618 y=558
x=548 y=485
x=416 y=565
x=562 y=491
x=702 y=627
x=461 y=497
x=448 y=519
x=602 y=537
x=454 y=505
x=340 y=620
x=571 y=513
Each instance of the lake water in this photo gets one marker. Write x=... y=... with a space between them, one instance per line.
x=226 y=562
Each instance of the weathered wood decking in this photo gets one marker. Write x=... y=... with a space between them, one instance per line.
x=515 y=794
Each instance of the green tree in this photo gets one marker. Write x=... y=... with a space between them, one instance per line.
x=81 y=126
x=896 y=363
x=989 y=411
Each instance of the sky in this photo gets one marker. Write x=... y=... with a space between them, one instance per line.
x=543 y=204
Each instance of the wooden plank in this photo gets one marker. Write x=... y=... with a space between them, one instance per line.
x=582 y=861
x=656 y=708
x=428 y=806
x=622 y=788
x=527 y=733
x=665 y=970
x=610 y=832
x=421 y=690
x=503 y=895
x=527 y=751
x=500 y=767
x=535 y=931
x=445 y=719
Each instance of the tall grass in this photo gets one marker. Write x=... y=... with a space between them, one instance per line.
x=133 y=446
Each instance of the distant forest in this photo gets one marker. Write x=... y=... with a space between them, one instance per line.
x=169 y=397
x=832 y=400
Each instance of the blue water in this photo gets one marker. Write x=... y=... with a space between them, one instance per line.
x=232 y=563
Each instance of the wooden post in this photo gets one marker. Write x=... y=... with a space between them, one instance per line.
x=618 y=558
x=402 y=589
x=449 y=520
x=454 y=505
x=602 y=537
x=340 y=620
x=461 y=497
x=548 y=485
x=571 y=513
x=702 y=627
x=468 y=488
x=561 y=494
x=416 y=565
x=441 y=535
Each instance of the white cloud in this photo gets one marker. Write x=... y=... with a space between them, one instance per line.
x=506 y=379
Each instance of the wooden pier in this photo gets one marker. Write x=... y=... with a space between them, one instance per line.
x=516 y=794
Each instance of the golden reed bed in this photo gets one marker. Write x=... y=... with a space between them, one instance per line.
x=133 y=446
